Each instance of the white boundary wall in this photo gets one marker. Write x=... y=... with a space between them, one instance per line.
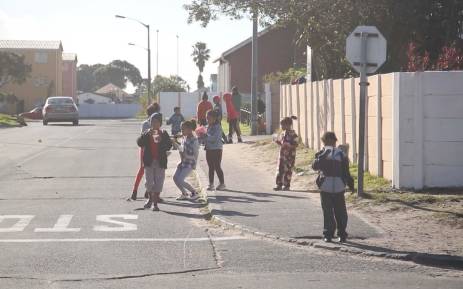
x=108 y=110
x=187 y=101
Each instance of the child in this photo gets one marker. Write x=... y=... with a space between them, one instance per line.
x=176 y=120
x=232 y=118
x=141 y=171
x=218 y=108
x=288 y=142
x=203 y=107
x=155 y=143
x=333 y=177
x=188 y=148
x=214 y=146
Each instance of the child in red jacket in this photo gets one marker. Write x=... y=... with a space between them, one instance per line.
x=232 y=118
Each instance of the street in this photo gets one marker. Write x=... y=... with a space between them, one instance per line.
x=65 y=223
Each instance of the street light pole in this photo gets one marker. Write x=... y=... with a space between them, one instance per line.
x=177 y=58
x=157 y=52
x=254 y=74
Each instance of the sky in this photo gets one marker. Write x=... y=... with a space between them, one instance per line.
x=90 y=29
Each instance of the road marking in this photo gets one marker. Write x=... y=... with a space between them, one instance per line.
x=19 y=226
x=109 y=219
x=153 y=240
x=61 y=226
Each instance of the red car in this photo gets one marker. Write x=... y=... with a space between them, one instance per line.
x=36 y=113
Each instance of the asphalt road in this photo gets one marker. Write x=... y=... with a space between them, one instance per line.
x=64 y=223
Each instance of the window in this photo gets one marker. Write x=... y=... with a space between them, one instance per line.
x=41 y=57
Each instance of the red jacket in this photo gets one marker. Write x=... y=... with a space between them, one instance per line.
x=203 y=107
x=231 y=111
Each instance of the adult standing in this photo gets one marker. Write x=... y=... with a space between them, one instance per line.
x=203 y=107
x=236 y=99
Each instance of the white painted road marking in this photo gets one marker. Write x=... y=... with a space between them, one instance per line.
x=89 y=240
x=60 y=226
x=19 y=226
x=109 y=219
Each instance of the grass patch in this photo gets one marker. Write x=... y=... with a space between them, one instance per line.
x=8 y=120
x=370 y=182
x=245 y=129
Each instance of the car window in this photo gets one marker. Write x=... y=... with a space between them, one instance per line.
x=60 y=101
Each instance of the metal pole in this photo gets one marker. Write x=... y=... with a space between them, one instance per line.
x=177 y=59
x=254 y=75
x=149 y=65
x=157 y=52
x=363 y=87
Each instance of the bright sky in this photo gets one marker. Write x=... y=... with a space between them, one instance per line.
x=89 y=28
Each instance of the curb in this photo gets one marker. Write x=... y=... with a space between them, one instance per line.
x=448 y=261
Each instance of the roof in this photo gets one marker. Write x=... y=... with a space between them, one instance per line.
x=31 y=44
x=243 y=43
x=69 y=57
x=112 y=90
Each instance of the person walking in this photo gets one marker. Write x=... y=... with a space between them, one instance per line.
x=203 y=107
x=188 y=149
x=141 y=170
x=288 y=142
x=333 y=166
x=155 y=143
x=232 y=118
x=213 y=147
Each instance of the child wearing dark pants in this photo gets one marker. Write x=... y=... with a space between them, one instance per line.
x=213 y=147
x=333 y=166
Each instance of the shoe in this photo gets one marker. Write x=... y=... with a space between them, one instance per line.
x=277 y=188
x=194 y=196
x=327 y=239
x=133 y=197
x=286 y=188
x=182 y=197
x=240 y=140
x=342 y=239
x=148 y=205
x=211 y=187
x=221 y=187
x=155 y=208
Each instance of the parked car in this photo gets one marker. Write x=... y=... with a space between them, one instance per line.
x=60 y=109
x=36 y=113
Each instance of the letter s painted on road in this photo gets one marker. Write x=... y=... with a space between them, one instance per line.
x=123 y=226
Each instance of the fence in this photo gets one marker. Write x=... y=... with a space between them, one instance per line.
x=108 y=110
x=414 y=126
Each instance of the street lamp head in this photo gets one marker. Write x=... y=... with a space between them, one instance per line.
x=131 y=44
x=120 y=16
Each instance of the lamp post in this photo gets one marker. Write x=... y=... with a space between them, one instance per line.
x=157 y=52
x=148 y=49
x=177 y=58
x=254 y=73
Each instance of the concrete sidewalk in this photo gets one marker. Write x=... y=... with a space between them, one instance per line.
x=250 y=205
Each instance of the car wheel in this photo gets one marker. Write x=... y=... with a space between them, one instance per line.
x=45 y=122
x=76 y=122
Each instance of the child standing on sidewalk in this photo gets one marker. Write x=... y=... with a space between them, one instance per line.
x=188 y=148
x=333 y=166
x=155 y=143
x=176 y=120
x=288 y=142
x=213 y=147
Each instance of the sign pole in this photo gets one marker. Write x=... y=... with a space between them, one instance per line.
x=363 y=87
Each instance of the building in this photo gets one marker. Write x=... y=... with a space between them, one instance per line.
x=45 y=58
x=93 y=98
x=70 y=75
x=276 y=52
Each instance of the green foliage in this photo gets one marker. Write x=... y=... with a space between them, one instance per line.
x=200 y=55
x=13 y=68
x=8 y=121
x=286 y=76
x=168 y=84
x=325 y=25
x=118 y=72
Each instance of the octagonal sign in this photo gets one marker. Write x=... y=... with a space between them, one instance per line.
x=375 y=48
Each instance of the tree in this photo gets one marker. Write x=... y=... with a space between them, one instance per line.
x=118 y=72
x=168 y=84
x=200 y=56
x=325 y=25
x=13 y=68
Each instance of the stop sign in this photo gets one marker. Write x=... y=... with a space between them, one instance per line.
x=375 y=48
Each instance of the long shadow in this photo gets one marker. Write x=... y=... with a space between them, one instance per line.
x=71 y=125
x=228 y=213
x=265 y=195
x=186 y=215
x=225 y=199
x=458 y=215
x=183 y=204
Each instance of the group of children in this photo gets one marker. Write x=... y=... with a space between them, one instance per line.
x=331 y=162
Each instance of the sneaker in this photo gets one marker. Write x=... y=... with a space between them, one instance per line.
x=194 y=196
x=277 y=188
x=155 y=208
x=211 y=187
x=182 y=197
x=221 y=187
x=148 y=205
x=327 y=239
x=133 y=197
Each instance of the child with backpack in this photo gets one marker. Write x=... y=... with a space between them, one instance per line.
x=213 y=147
x=333 y=166
x=288 y=141
x=188 y=149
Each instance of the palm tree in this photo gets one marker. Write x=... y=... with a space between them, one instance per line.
x=200 y=56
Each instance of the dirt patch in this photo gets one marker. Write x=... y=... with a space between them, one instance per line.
x=427 y=222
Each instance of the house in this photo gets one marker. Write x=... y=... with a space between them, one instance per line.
x=70 y=75
x=276 y=52
x=115 y=92
x=93 y=98
x=45 y=79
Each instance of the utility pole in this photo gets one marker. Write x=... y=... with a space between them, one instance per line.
x=149 y=65
x=254 y=73
x=157 y=52
x=177 y=58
